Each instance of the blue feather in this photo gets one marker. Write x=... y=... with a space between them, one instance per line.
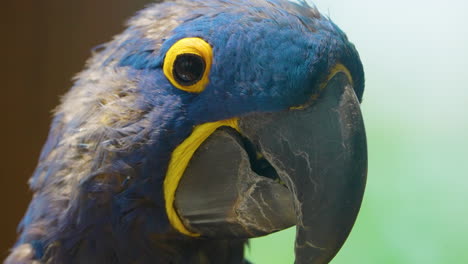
x=98 y=185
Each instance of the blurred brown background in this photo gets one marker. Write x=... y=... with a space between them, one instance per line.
x=43 y=44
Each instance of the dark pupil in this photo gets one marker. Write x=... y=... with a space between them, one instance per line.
x=188 y=69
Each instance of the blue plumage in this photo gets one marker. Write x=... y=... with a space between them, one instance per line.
x=98 y=185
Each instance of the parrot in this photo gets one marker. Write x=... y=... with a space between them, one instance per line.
x=202 y=125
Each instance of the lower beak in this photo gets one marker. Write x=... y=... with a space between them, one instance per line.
x=298 y=167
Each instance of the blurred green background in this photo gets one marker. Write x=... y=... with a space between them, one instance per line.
x=415 y=55
x=415 y=208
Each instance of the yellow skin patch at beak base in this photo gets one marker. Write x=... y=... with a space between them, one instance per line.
x=336 y=69
x=179 y=161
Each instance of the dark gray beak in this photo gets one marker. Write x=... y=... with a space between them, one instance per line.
x=303 y=167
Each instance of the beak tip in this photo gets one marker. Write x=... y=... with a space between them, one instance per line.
x=320 y=153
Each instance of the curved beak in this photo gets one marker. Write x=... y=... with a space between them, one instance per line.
x=303 y=167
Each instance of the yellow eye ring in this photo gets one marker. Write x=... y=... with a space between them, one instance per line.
x=188 y=63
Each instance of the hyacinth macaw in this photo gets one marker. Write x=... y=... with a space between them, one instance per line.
x=203 y=124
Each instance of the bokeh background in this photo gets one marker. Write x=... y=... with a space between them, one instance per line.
x=415 y=54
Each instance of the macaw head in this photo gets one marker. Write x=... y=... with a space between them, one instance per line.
x=211 y=119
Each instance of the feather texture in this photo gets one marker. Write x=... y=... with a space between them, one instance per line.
x=98 y=185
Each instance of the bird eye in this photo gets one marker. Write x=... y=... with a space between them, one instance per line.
x=187 y=64
x=188 y=69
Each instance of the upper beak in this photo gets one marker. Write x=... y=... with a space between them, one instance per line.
x=303 y=167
